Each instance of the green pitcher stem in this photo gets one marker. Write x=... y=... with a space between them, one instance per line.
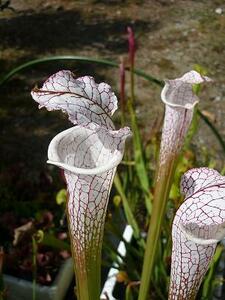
x=88 y=277
x=87 y=267
x=162 y=189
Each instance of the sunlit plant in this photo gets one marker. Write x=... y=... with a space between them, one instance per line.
x=88 y=153
x=198 y=226
x=179 y=100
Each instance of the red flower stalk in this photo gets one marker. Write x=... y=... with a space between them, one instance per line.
x=122 y=86
x=132 y=48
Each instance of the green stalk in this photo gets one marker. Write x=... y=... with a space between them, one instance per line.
x=128 y=211
x=138 y=149
x=139 y=158
x=87 y=266
x=88 y=277
x=162 y=189
x=128 y=293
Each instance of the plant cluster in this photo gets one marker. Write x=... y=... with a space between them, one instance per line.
x=146 y=184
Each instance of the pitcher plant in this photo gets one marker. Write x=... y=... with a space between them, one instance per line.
x=89 y=153
x=179 y=100
x=198 y=226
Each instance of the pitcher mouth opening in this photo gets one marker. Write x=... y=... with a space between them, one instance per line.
x=189 y=105
x=61 y=152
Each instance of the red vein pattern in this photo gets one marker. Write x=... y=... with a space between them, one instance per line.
x=89 y=154
x=88 y=199
x=88 y=193
x=197 y=227
x=86 y=102
x=180 y=100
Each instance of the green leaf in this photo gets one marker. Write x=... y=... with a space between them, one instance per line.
x=127 y=209
x=42 y=60
x=128 y=295
x=61 y=197
x=139 y=159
